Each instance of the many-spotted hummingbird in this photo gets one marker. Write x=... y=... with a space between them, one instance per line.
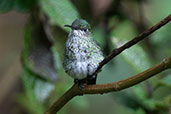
x=82 y=54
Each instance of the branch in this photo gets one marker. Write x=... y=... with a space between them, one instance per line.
x=109 y=87
x=72 y=92
x=132 y=42
x=123 y=84
x=116 y=86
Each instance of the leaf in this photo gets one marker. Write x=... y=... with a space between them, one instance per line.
x=36 y=92
x=24 y=5
x=57 y=61
x=42 y=90
x=156 y=10
x=28 y=102
x=60 y=12
x=39 y=89
x=37 y=57
x=166 y=81
x=140 y=111
x=149 y=103
x=28 y=99
x=127 y=99
x=80 y=102
x=6 y=5
x=135 y=56
x=139 y=93
x=19 y=5
x=161 y=41
x=99 y=36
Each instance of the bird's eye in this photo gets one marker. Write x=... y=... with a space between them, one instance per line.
x=76 y=28
x=85 y=30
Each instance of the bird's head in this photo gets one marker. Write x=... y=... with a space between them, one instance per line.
x=79 y=24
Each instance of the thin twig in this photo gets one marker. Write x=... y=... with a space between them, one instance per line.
x=123 y=84
x=132 y=42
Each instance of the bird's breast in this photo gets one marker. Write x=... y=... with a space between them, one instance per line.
x=77 y=48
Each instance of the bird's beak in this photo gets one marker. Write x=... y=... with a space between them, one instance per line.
x=68 y=26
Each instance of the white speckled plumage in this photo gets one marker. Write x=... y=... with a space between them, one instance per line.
x=82 y=54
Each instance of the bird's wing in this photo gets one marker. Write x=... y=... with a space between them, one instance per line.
x=97 y=45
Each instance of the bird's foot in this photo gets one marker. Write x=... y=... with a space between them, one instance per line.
x=76 y=81
x=91 y=80
x=81 y=83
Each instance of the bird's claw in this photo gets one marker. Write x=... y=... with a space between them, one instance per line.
x=81 y=83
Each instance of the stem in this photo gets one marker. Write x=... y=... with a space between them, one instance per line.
x=116 y=86
x=62 y=100
x=132 y=42
x=109 y=87
x=123 y=84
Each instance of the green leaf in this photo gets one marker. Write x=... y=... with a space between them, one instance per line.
x=39 y=89
x=161 y=41
x=80 y=102
x=57 y=60
x=42 y=90
x=37 y=57
x=60 y=12
x=156 y=10
x=140 y=93
x=36 y=92
x=6 y=5
x=128 y=99
x=150 y=103
x=24 y=5
x=99 y=36
x=30 y=104
x=28 y=98
x=166 y=81
x=19 y=5
x=135 y=56
x=140 y=111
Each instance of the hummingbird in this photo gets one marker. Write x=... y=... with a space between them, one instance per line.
x=82 y=54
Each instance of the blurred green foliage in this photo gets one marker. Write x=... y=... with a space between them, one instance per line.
x=44 y=79
x=19 y=5
x=57 y=11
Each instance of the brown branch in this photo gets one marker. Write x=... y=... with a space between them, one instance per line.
x=116 y=86
x=132 y=42
x=72 y=92
x=109 y=87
